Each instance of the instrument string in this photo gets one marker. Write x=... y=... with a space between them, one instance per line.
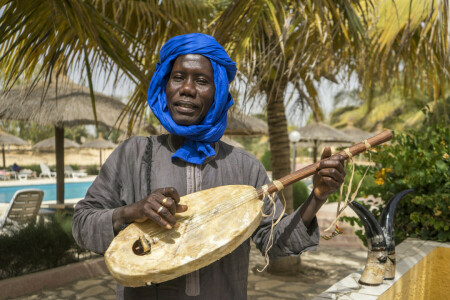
x=202 y=216
x=347 y=199
x=223 y=208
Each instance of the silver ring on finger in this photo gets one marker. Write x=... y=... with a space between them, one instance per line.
x=164 y=201
x=160 y=209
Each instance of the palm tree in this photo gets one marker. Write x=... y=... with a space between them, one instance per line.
x=42 y=40
x=282 y=43
x=288 y=43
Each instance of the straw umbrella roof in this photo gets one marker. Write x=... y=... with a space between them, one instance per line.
x=64 y=104
x=319 y=133
x=231 y=142
x=322 y=133
x=355 y=134
x=240 y=124
x=99 y=143
x=49 y=144
x=9 y=139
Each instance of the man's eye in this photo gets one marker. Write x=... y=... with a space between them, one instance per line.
x=177 y=78
x=202 y=81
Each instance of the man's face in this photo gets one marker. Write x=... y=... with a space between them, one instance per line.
x=190 y=89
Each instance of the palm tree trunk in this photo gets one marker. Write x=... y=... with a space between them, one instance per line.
x=279 y=149
x=279 y=143
x=59 y=152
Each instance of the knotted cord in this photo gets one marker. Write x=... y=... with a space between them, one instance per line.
x=265 y=188
x=347 y=200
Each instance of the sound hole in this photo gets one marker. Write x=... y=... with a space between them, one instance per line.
x=139 y=248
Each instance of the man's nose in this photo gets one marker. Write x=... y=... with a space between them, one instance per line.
x=188 y=88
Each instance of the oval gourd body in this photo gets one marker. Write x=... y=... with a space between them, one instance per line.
x=217 y=221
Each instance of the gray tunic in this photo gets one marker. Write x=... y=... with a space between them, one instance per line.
x=123 y=180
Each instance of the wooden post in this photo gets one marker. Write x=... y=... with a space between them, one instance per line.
x=3 y=152
x=59 y=153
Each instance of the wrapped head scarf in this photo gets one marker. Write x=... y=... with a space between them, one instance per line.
x=198 y=138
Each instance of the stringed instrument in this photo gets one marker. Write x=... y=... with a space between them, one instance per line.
x=217 y=222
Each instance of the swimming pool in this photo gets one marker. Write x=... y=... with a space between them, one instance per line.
x=72 y=190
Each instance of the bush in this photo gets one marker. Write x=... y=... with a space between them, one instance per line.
x=300 y=193
x=359 y=172
x=92 y=169
x=38 y=247
x=35 y=168
x=418 y=160
x=266 y=160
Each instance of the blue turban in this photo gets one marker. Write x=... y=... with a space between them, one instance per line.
x=198 y=138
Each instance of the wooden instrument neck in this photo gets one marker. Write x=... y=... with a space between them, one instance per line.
x=307 y=171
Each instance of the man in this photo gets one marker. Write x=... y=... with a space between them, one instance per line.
x=144 y=177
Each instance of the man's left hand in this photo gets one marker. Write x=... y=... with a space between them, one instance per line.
x=330 y=175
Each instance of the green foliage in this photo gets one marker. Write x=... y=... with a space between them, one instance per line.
x=266 y=160
x=92 y=169
x=33 y=132
x=111 y=134
x=28 y=131
x=254 y=144
x=353 y=221
x=300 y=193
x=357 y=176
x=35 y=168
x=75 y=133
x=417 y=159
x=38 y=247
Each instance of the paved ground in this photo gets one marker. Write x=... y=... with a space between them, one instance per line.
x=320 y=270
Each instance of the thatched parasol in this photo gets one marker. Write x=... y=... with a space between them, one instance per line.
x=49 y=144
x=231 y=142
x=240 y=124
x=64 y=104
x=317 y=133
x=9 y=139
x=100 y=144
x=68 y=105
x=356 y=135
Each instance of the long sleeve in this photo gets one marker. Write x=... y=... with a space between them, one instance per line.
x=92 y=225
x=290 y=235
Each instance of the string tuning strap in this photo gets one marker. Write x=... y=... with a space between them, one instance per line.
x=278 y=185
x=347 y=151
x=337 y=231
x=265 y=189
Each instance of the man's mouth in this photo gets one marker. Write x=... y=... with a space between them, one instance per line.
x=184 y=106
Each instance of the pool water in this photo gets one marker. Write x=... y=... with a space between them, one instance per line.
x=72 y=190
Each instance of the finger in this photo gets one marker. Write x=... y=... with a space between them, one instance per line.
x=331 y=183
x=332 y=173
x=326 y=153
x=332 y=164
x=168 y=203
x=152 y=215
x=164 y=212
x=181 y=208
x=172 y=193
x=167 y=215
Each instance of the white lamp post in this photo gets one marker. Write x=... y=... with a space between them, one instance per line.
x=294 y=137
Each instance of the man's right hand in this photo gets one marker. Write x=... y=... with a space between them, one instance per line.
x=160 y=207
